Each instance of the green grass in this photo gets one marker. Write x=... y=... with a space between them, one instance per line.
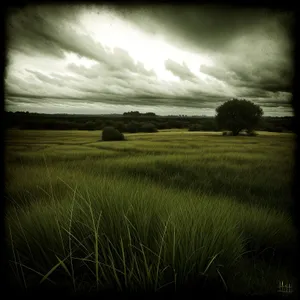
x=152 y=212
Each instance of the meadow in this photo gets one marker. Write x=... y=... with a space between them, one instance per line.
x=158 y=211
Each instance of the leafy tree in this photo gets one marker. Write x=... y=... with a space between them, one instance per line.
x=132 y=113
x=150 y=114
x=236 y=115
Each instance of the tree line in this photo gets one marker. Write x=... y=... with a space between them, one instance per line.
x=130 y=123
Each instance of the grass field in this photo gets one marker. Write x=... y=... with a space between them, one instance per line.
x=154 y=212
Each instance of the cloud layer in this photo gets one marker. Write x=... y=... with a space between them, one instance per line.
x=166 y=58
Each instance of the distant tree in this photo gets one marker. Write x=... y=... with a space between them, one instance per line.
x=132 y=113
x=150 y=114
x=236 y=115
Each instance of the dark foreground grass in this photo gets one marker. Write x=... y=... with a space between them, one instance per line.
x=156 y=212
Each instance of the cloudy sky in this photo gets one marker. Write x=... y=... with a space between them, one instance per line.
x=163 y=59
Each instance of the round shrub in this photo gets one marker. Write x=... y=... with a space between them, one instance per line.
x=112 y=134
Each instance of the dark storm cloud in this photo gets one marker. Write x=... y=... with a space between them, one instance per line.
x=129 y=90
x=253 y=93
x=181 y=71
x=16 y=98
x=32 y=97
x=46 y=36
x=108 y=95
x=275 y=104
x=64 y=77
x=203 y=101
x=93 y=72
x=102 y=77
x=268 y=78
x=121 y=60
x=38 y=29
x=207 y=27
x=47 y=79
x=46 y=31
x=90 y=99
x=217 y=72
x=207 y=101
x=250 y=49
x=117 y=64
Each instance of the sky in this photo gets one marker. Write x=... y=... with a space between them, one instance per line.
x=171 y=60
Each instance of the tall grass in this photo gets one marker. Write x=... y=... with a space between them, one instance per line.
x=141 y=223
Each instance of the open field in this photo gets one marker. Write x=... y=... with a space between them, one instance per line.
x=153 y=212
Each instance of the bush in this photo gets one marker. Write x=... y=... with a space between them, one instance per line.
x=148 y=127
x=195 y=127
x=112 y=134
